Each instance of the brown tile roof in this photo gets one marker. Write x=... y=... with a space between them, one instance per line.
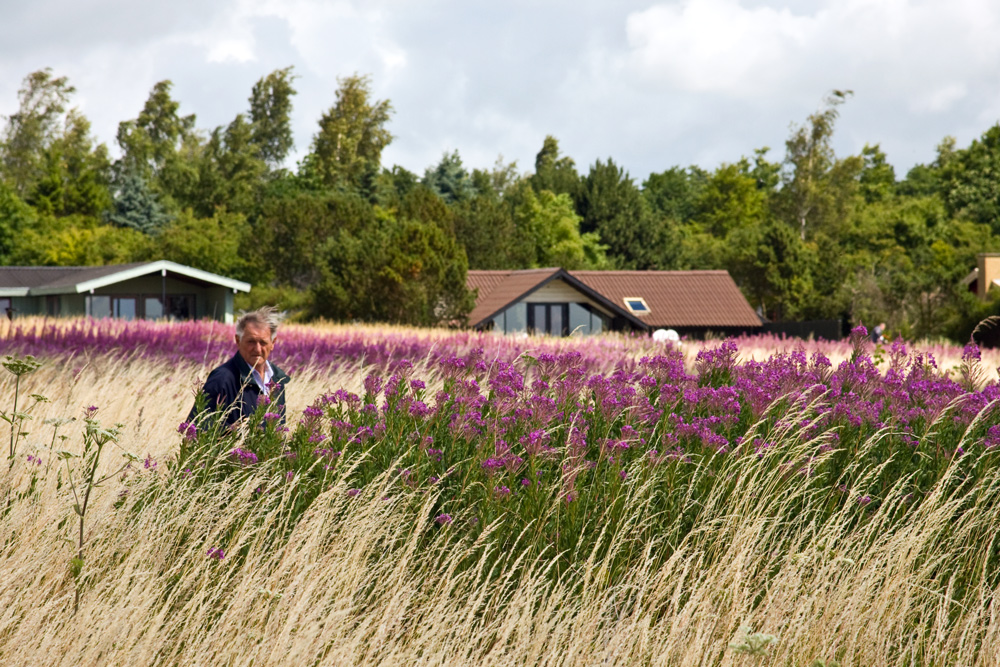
x=499 y=288
x=675 y=298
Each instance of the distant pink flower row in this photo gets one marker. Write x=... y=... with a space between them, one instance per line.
x=330 y=347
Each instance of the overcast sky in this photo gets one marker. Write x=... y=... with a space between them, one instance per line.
x=650 y=84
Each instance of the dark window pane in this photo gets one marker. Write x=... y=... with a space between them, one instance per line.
x=153 y=308
x=125 y=307
x=517 y=318
x=556 y=319
x=99 y=306
x=180 y=306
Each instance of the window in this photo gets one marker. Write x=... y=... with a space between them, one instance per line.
x=124 y=307
x=548 y=318
x=99 y=306
x=180 y=306
x=636 y=304
x=152 y=308
x=585 y=320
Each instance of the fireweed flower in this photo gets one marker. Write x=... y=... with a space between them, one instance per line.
x=149 y=463
x=243 y=457
x=89 y=412
x=443 y=519
x=217 y=554
x=188 y=430
x=271 y=417
x=353 y=492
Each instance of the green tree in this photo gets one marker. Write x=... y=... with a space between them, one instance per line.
x=291 y=229
x=774 y=269
x=730 y=199
x=42 y=101
x=137 y=207
x=214 y=244
x=612 y=206
x=449 y=179
x=405 y=272
x=552 y=228
x=554 y=172
x=77 y=173
x=674 y=193
x=15 y=217
x=347 y=150
x=271 y=117
x=969 y=185
x=817 y=187
x=877 y=178
x=484 y=227
x=151 y=142
x=230 y=172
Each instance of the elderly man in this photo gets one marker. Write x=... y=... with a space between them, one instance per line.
x=236 y=387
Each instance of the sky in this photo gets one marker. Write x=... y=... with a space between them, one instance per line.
x=649 y=84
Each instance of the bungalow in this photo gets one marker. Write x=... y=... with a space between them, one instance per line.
x=558 y=302
x=149 y=290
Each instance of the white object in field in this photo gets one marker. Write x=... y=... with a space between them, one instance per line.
x=661 y=335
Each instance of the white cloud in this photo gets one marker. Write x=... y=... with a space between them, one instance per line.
x=716 y=45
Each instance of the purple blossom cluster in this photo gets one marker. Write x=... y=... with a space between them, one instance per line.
x=554 y=416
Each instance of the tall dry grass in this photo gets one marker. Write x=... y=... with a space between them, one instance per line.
x=366 y=581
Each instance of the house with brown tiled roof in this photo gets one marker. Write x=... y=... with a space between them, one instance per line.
x=558 y=302
x=150 y=290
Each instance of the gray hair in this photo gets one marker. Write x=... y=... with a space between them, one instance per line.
x=268 y=316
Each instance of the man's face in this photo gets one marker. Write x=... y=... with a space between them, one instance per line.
x=256 y=345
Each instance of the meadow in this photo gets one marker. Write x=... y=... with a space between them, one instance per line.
x=448 y=498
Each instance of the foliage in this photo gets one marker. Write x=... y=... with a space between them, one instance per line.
x=401 y=271
x=870 y=247
x=270 y=117
x=137 y=207
x=347 y=149
x=611 y=206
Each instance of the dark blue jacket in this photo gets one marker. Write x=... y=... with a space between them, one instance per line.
x=230 y=389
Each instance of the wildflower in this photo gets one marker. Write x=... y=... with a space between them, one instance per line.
x=149 y=463
x=353 y=492
x=217 y=554
x=188 y=430
x=243 y=457
x=271 y=417
x=89 y=412
x=443 y=519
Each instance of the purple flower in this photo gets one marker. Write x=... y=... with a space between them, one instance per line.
x=217 y=554
x=243 y=457
x=443 y=519
x=188 y=430
x=353 y=492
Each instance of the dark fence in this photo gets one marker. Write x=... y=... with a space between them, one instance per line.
x=815 y=329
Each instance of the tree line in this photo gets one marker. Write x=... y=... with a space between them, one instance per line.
x=810 y=235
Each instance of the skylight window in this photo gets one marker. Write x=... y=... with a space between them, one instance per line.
x=636 y=305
